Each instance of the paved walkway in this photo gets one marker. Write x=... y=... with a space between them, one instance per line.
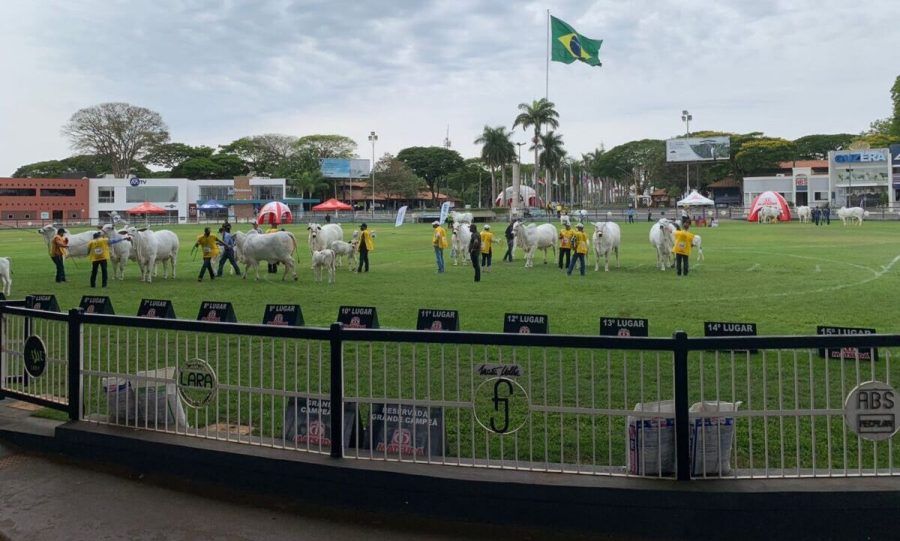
x=47 y=497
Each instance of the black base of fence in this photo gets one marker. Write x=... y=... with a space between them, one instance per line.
x=723 y=509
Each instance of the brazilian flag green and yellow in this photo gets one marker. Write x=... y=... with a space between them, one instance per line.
x=569 y=46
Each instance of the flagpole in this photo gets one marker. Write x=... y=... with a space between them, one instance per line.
x=547 y=71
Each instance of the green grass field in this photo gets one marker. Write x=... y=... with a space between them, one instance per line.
x=785 y=277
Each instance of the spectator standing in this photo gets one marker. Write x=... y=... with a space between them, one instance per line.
x=59 y=247
x=630 y=214
x=487 y=247
x=826 y=214
x=579 y=241
x=209 y=248
x=439 y=242
x=565 y=245
x=365 y=246
x=475 y=251
x=684 y=239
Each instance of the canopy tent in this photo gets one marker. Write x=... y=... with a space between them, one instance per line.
x=212 y=204
x=769 y=199
x=332 y=204
x=274 y=212
x=694 y=199
x=528 y=197
x=146 y=208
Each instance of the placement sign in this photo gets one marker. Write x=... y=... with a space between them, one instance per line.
x=42 y=302
x=526 y=324
x=358 y=317
x=156 y=308
x=864 y=354
x=437 y=320
x=219 y=312
x=96 y=305
x=289 y=315
x=307 y=421
x=621 y=326
x=407 y=430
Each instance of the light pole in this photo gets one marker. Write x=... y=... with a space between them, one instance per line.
x=373 y=137
x=520 y=151
x=849 y=185
x=686 y=117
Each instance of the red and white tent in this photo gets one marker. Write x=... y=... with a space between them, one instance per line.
x=274 y=212
x=527 y=197
x=769 y=199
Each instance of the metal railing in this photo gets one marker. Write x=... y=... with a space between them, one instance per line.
x=679 y=408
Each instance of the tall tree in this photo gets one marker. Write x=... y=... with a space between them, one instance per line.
x=816 y=147
x=432 y=164
x=396 y=180
x=763 y=155
x=552 y=157
x=636 y=164
x=169 y=155
x=215 y=166
x=262 y=153
x=120 y=132
x=537 y=114
x=85 y=165
x=496 y=151
x=327 y=146
x=464 y=182
x=895 y=119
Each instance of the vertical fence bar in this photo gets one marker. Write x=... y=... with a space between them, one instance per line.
x=74 y=363
x=682 y=420
x=337 y=392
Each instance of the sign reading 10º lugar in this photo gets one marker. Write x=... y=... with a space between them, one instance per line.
x=526 y=324
x=622 y=326
x=358 y=317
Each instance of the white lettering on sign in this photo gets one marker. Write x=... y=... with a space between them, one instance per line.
x=438 y=313
x=215 y=306
x=632 y=323
x=526 y=319
x=872 y=410
x=357 y=311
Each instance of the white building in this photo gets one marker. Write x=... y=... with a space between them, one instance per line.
x=179 y=196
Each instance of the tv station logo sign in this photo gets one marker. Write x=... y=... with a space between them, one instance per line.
x=871 y=411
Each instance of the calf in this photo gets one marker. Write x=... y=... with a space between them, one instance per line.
x=323 y=260
x=5 y=278
x=607 y=237
x=342 y=248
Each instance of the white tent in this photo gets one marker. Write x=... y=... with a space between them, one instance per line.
x=694 y=199
x=527 y=197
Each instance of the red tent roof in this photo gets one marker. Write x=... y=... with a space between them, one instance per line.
x=146 y=208
x=332 y=204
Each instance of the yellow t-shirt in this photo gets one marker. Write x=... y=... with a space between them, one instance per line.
x=486 y=239
x=58 y=245
x=683 y=242
x=365 y=239
x=208 y=246
x=579 y=239
x=565 y=239
x=99 y=249
x=440 y=238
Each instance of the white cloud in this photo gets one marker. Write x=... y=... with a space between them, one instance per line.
x=217 y=71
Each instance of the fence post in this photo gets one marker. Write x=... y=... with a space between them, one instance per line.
x=74 y=363
x=337 y=391
x=682 y=415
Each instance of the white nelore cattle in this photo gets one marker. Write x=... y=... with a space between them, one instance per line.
x=698 y=244
x=533 y=238
x=459 y=242
x=342 y=248
x=804 y=213
x=607 y=238
x=461 y=217
x=852 y=214
x=321 y=236
x=120 y=252
x=153 y=247
x=662 y=238
x=253 y=247
x=5 y=276
x=565 y=220
x=323 y=260
x=768 y=214
x=78 y=243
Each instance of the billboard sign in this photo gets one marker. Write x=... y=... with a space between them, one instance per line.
x=700 y=149
x=341 y=168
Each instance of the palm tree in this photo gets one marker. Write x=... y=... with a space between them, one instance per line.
x=537 y=114
x=553 y=155
x=496 y=151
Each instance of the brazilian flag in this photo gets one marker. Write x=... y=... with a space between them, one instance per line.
x=569 y=46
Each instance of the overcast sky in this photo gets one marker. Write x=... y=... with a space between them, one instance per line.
x=408 y=69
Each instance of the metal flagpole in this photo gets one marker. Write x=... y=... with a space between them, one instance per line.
x=547 y=72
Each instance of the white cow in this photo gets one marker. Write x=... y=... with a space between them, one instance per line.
x=342 y=248
x=565 y=220
x=459 y=242
x=804 y=213
x=120 y=252
x=251 y=248
x=461 y=217
x=607 y=238
x=323 y=260
x=853 y=214
x=768 y=214
x=321 y=236
x=698 y=244
x=5 y=277
x=533 y=238
x=78 y=243
x=662 y=237
x=152 y=247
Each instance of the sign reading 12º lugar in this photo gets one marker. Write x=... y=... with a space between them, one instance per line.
x=526 y=324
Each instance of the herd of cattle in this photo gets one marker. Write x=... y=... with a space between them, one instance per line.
x=327 y=247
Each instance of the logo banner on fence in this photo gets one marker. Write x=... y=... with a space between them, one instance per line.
x=401 y=214
x=445 y=211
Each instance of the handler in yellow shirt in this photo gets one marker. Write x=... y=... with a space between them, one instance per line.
x=98 y=249
x=580 y=244
x=439 y=241
x=684 y=239
x=487 y=249
x=565 y=245
x=366 y=245
x=209 y=247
